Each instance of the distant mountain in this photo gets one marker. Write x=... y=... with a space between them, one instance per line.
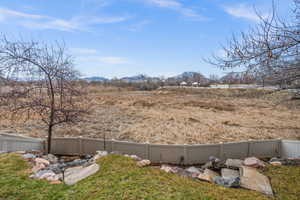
x=186 y=75
x=139 y=79
x=189 y=77
x=96 y=79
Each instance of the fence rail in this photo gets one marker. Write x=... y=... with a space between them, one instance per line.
x=159 y=153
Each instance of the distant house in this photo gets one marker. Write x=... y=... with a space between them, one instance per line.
x=183 y=83
x=195 y=84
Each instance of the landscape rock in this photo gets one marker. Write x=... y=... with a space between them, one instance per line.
x=100 y=154
x=285 y=161
x=170 y=169
x=40 y=173
x=135 y=157
x=72 y=170
x=207 y=165
x=276 y=163
x=65 y=159
x=194 y=170
x=37 y=167
x=143 y=163
x=213 y=163
x=214 y=159
x=42 y=161
x=51 y=158
x=231 y=182
x=254 y=162
x=57 y=168
x=208 y=175
x=49 y=176
x=55 y=182
x=253 y=180
x=184 y=173
x=76 y=162
x=80 y=173
x=87 y=157
x=29 y=156
x=234 y=163
x=229 y=173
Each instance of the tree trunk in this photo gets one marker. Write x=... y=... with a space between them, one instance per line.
x=51 y=114
x=49 y=138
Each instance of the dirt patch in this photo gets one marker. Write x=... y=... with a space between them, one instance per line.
x=143 y=103
x=176 y=117
x=220 y=106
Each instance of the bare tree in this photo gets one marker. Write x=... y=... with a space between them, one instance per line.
x=271 y=49
x=40 y=83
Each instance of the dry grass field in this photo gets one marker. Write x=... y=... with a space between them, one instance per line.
x=180 y=116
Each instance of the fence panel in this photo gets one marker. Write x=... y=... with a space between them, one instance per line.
x=234 y=150
x=290 y=149
x=90 y=146
x=173 y=154
x=262 y=149
x=18 y=143
x=131 y=148
x=198 y=154
x=66 y=146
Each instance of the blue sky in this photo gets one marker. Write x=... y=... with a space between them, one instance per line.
x=115 y=38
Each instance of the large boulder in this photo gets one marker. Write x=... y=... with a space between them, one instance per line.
x=50 y=176
x=208 y=175
x=231 y=182
x=234 y=163
x=174 y=170
x=42 y=161
x=253 y=180
x=76 y=162
x=143 y=163
x=213 y=163
x=194 y=170
x=254 y=162
x=135 y=157
x=42 y=174
x=51 y=158
x=73 y=176
x=37 y=167
x=229 y=173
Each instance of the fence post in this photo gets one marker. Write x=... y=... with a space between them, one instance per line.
x=80 y=146
x=185 y=154
x=148 y=150
x=279 y=148
x=44 y=146
x=112 y=145
x=249 y=153
x=222 y=155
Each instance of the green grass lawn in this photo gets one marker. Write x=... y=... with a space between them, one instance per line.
x=120 y=178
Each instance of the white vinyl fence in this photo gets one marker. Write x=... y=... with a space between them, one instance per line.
x=157 y=153
x=9 y=143
x=175 y=154
x=290 y=148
